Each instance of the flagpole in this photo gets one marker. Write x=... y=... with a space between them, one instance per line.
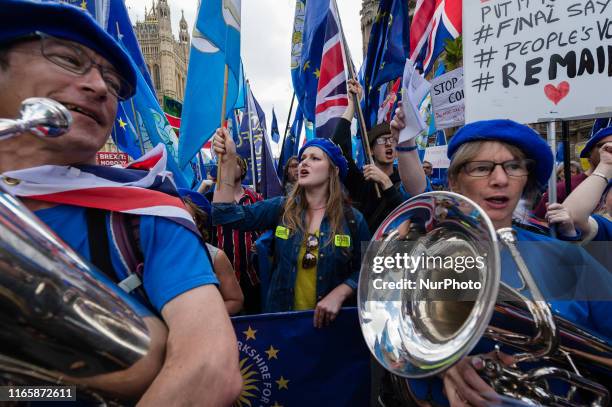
x=223 y=111
x=360 y=117
x=288 y=118
x=253 y=162
x=140 y=142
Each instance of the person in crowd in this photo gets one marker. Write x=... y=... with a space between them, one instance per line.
x=317 y=235
x=381 y=173
x=495 y=163
x=594 y=191
x=290 y=174
x=428 y=169
x=239 y=245
x=58 y=51
x=200 y=209
x=576 y=178
x=575 y=169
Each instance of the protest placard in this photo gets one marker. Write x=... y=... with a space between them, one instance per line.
x=447 y=99
x=437 y=156
x=537 y=59
x=109 y=159
x=414 y=89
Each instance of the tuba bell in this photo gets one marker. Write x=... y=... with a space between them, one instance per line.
x=422 y=308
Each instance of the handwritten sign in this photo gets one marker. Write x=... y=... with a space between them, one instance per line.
x=447 y=99
x=109 y=159
x=533 y=59
x=437 y=156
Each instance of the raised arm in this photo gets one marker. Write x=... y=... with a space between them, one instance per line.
x=409 y=164
x=225 y=149
x=584 y=199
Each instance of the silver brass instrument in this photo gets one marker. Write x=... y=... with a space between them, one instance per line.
x=420 y=330
x=60 y=319
x=40 y=116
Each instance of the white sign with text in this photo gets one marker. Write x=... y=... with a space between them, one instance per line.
x=537 y=59
x=437 y=156
x=447 y=99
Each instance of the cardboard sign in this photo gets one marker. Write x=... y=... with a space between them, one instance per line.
x=437 y=156
x=528 y=60
x=109 y=159
x=447 y=99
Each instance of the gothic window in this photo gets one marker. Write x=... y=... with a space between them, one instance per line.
x=156 y=76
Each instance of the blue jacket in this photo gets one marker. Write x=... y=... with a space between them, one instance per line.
x=334 y=265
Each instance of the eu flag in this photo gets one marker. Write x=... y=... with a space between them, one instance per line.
x=285 y=361
x=308 y=39
x=274 y=130
x=291 y=142
x=215 y=44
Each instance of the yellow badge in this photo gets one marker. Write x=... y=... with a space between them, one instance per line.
x=282 y=232
x=342 y=240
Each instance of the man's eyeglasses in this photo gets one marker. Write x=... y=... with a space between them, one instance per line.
x=310 y=259
x=74 y=58
x=386 y=140
x=512 y=168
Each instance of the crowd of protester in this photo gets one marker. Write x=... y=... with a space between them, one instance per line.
x=314 y=230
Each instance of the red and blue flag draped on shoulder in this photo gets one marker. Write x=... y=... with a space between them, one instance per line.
x=215 y=43
x=143 y=188
x=140 y=123
x=434 y=22
x=388 y=49
x=332 y=93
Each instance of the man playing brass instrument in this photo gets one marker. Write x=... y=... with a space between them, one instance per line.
x=58 y=51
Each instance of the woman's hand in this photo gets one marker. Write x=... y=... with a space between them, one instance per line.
x=372 y=173
x=462 y=384
x=327 y=309
x=558 y=215
x=223 y=144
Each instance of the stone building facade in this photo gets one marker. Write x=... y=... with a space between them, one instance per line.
x=166 y=58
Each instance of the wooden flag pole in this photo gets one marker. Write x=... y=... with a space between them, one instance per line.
x=223 y=122
x=360 y=116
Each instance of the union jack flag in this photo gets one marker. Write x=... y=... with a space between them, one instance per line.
x=433 y=23
x=332 y=95
x=145 y=187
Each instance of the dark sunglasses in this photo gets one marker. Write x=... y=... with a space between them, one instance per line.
x=310 y=260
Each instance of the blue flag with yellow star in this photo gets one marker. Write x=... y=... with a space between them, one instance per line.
x=285 y=361
x=307 y=47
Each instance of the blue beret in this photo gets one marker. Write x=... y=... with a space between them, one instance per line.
x=332 y=150
x=20 y=18
x=507 y=131
x=600 y=135
x=197 y=198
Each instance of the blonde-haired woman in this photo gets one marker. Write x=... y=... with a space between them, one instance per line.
x=317 y=235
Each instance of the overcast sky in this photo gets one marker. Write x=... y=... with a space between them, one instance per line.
x=266 y=44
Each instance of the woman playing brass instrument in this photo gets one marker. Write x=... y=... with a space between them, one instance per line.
x=496 y=163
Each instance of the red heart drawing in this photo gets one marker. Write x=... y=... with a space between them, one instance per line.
x=556 y=93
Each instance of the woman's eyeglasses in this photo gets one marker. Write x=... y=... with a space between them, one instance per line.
x=310 y=259
x=512 y=168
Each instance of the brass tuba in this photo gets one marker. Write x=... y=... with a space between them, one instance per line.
x=420 y=312
x=61 y=321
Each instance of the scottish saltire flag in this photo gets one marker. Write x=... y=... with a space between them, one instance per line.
x=388 y=49
x=434 y=22
x=332 y=93
x=285 y=361
x=274 y=129
x=215 y=43
x=291 y=142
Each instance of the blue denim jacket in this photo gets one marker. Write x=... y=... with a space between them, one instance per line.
x=334 y=264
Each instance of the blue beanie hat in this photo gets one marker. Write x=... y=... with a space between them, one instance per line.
x=332 y=150
x=511 y=132
x=600 y=135
x=197 y=198
x=21 y=18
